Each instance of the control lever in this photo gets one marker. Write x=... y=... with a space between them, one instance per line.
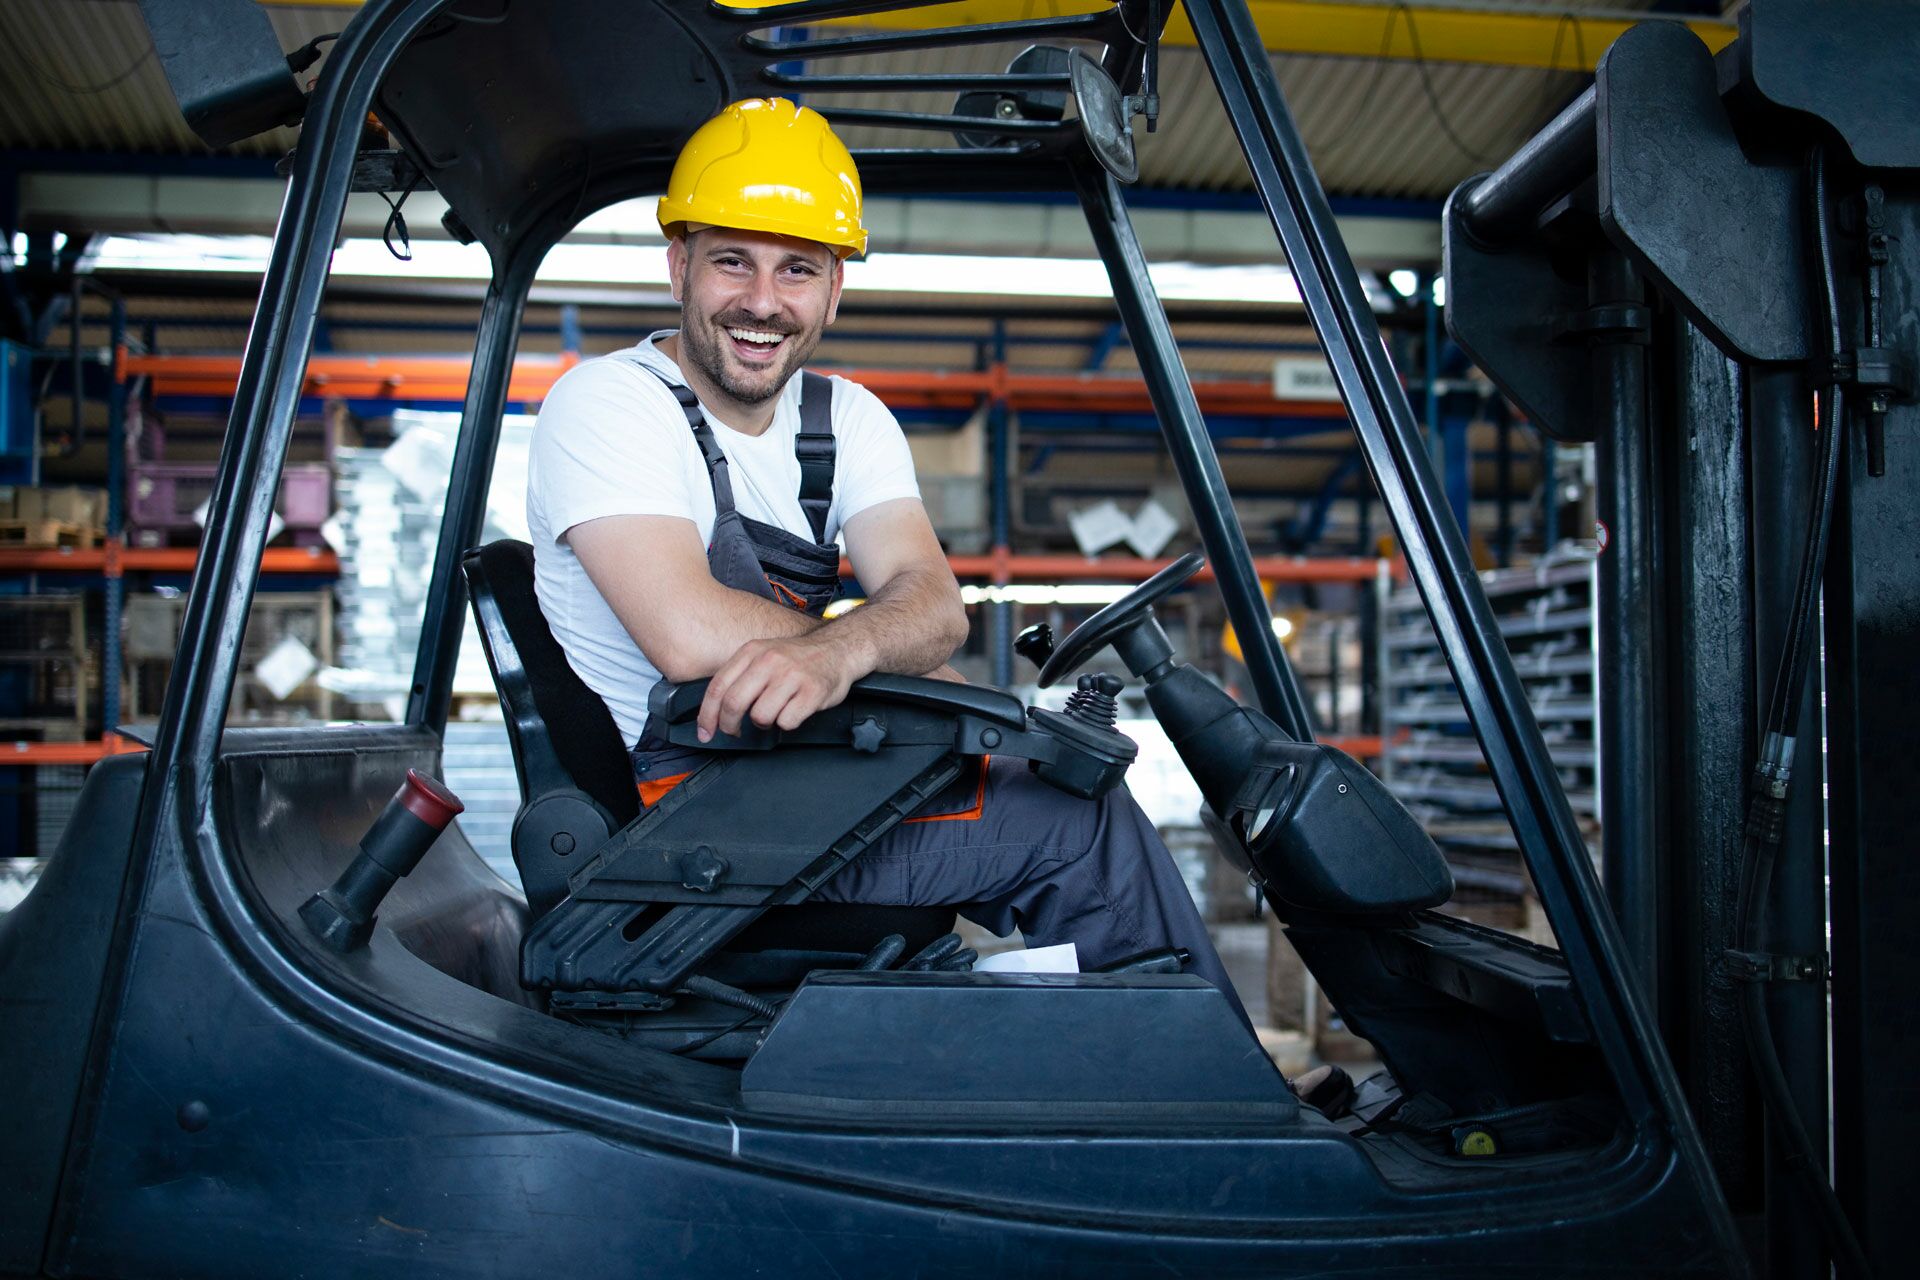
x=341 y=915
x=1035 y=644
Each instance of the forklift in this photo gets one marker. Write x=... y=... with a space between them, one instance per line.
x=268 y=1012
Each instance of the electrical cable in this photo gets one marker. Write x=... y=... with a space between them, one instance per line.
x=309 y=53
x=89 y=90
x=1433 y=96
x=708 y=989
x=1549 y=107
x=772 y=1007
x=1773 y=771
x=1328 y=147
x=396 y=222
x=693 y=1045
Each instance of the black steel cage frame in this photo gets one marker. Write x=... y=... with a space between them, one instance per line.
x=177 y=802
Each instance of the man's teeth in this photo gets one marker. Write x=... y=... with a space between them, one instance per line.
x=755 y=336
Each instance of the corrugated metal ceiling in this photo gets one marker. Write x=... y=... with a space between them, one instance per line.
x=81 y=75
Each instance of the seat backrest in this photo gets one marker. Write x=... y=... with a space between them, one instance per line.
x=563 y=735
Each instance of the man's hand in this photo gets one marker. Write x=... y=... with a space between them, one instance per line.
x=780 y=682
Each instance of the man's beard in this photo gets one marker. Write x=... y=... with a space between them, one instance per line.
x=704 y=341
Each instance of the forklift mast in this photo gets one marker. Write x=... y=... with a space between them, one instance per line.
x=1674 y=269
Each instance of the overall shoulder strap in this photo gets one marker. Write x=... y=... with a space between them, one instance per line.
x=814 y=447
x=717 y=469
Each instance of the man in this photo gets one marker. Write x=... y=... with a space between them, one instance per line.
x=685 y=497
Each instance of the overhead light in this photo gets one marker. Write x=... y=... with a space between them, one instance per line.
x=646 y=264
x=1439 y=291
x=1100 y=593
x=1404 y=282
x=1282 y=626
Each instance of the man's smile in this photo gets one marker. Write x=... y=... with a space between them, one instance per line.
x=754 y=346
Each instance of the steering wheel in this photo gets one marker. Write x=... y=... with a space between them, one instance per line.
x=1114 y=621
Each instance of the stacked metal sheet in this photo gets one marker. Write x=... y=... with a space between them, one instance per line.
x=385 y=534
x=385 y=527
x=476 y=763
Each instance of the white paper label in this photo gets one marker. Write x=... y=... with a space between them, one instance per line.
x=286 y=667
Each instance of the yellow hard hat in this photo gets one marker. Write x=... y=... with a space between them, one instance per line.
x=764 y=164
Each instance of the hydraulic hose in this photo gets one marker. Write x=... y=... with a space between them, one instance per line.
x=1773 y=772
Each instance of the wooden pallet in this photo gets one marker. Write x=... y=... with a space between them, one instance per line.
x=48 y=534
x=40 y=729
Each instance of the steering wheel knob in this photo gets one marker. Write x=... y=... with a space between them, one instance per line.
x=1115 y=621
x=1035 y=643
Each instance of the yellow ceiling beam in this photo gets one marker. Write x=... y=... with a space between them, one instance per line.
x=1436 y=33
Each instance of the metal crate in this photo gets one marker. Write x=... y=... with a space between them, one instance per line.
x=36 y=804
x=162 y=498
x=47 y=673
x=151 y=633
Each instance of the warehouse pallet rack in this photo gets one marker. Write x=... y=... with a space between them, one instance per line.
x=1429 y=756
x=427 y=379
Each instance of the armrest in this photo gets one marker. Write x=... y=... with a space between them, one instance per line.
x=896 y=711
x=680 y=703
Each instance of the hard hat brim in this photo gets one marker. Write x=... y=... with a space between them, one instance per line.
x=673 y=224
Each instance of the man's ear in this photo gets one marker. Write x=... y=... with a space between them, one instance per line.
x=677 y=259
x=839 y=280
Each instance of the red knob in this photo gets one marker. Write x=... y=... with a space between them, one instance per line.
x=428 y=800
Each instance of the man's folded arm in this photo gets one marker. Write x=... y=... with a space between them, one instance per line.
x=652 y=571
x=913 y=620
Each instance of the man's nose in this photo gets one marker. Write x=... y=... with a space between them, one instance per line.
x=762 y=298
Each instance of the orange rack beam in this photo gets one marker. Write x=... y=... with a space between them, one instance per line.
x=113 y=559
x=51 y=753
x=444 y=378
x=348 y=377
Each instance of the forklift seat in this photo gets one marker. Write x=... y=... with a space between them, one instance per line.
x=576 y=780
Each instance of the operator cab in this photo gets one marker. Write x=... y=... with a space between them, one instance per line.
x=657 y=1045
x=688 y=927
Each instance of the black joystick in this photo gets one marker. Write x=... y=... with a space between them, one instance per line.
x=1035 y=644
x=1091 y=702
x=341 y=915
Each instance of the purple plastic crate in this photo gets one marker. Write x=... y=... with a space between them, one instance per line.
x=164 y=495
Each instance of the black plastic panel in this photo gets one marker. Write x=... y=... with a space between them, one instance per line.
x=1503 y=307
x=53 y=959
x=984 y=1044
x=1718 y=232
x=1857 y=75
x=224 y=64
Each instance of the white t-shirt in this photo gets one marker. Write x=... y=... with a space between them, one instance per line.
x=611 y=440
